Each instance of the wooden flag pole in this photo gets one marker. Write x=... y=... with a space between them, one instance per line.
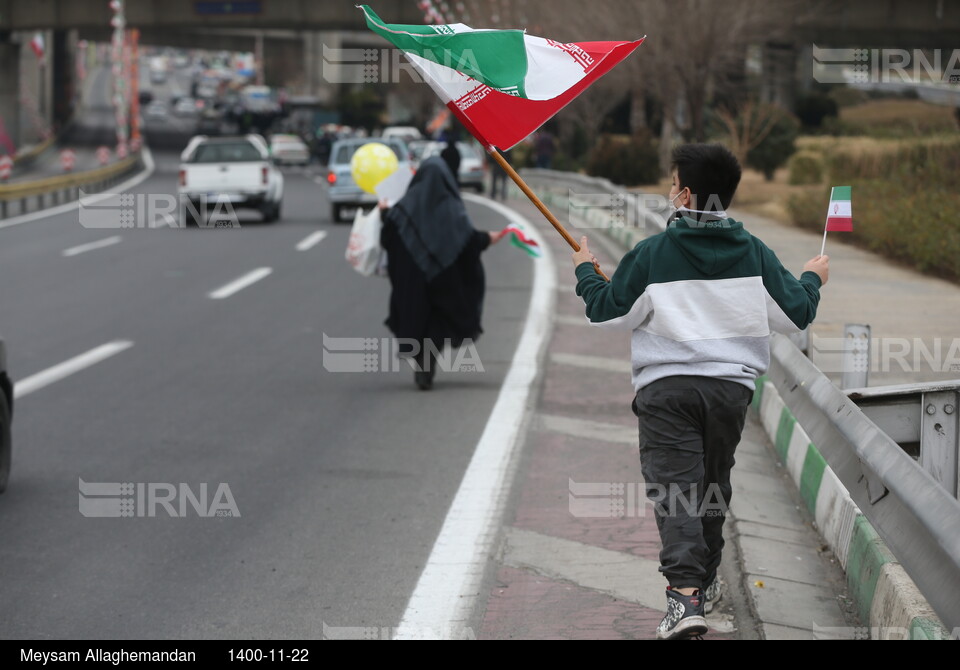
x=518 y=180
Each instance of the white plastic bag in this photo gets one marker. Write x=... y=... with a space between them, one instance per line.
x=363 y=249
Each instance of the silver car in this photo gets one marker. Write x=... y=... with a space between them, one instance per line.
x=473 y=170
x=6 y=414
x=341 y=188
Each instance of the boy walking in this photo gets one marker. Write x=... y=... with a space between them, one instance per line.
x=701 y=299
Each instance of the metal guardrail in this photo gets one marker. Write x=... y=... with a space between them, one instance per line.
x=33 y=152
x=924 y=419
x=917 y=518
x=64 y=187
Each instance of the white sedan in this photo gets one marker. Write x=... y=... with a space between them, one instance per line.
x=289 y=150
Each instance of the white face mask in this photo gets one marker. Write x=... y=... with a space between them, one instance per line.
x=721 y=214
x=673 y=200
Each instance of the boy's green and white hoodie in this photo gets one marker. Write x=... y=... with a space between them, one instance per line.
x=701 y=299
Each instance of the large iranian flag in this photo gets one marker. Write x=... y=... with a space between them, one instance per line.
x=501 y=84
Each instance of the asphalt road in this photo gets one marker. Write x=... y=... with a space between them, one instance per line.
x=341 y=480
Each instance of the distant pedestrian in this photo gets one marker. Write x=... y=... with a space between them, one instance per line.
x=545 y=148
x=451 y=156
x=500 y=177
x=701 y=300
x=434 y=266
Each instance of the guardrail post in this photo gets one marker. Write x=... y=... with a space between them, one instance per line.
x=802 y=341
x=940 y=438
x=856 y=356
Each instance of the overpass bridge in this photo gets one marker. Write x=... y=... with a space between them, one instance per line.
x=294 y=33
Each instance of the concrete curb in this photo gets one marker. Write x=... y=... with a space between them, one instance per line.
x=885 y=596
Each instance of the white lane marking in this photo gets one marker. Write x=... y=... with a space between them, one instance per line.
x=148 y=167
x=311 y=240
x=67 y=368
x=99 y=244
x=446 y=592
x=239 y=284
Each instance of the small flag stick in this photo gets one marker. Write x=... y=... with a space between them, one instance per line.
x=826 y=223
x=501 y=161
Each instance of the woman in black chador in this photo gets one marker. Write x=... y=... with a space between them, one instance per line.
x=433 y=260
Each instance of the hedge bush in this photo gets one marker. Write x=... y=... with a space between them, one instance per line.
x=906 y=200
x=626 y=161
x=805 y=168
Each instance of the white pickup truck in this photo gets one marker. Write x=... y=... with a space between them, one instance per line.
x=234 y=170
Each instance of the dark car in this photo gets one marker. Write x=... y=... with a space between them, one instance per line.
x=6 y=413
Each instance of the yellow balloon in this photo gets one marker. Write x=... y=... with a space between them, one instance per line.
x=371 y=164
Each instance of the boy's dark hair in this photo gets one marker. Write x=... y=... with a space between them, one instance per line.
x=710 y=171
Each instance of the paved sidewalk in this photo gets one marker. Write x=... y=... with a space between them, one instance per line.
x=580 y=553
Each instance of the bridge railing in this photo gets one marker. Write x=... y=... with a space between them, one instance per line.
x=63 y=188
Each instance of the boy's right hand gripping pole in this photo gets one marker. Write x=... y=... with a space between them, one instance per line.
x=518 y=180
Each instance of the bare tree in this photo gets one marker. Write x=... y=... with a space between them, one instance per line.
x=749 y=125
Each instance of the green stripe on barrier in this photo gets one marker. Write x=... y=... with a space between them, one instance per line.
x=758 y=393
x=784 y=433
x=811 y=476
x=867 y=555
x=922 y=628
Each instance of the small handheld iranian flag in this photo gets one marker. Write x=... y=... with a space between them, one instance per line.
x=839 y=213
x=520 y=239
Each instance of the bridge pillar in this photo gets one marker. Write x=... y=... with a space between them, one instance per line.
x=9 y=95
x=324 y=75
x=63 y=75
x=35 y=89
x=779 y=78
x=283 y=62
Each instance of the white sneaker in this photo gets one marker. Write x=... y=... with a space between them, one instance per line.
x=712 y=594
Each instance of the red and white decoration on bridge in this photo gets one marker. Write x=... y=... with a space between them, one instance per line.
x=6 y=167
x=67 y=160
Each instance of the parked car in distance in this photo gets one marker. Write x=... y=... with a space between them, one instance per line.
x=417 y=148
x=342 y=190
x=236 y=170
x=472 y=170
x=210 y=122
x=156 y=110
x=405 y=133
x=6 y=415
x=289 y=150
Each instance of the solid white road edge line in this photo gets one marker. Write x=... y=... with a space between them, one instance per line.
x=99 y=244
x=239 y=284
x=69 y=367
x=447 y=590
x=310 y=240
x=148 y=167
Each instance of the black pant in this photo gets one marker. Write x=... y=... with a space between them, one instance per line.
x=689 y=429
